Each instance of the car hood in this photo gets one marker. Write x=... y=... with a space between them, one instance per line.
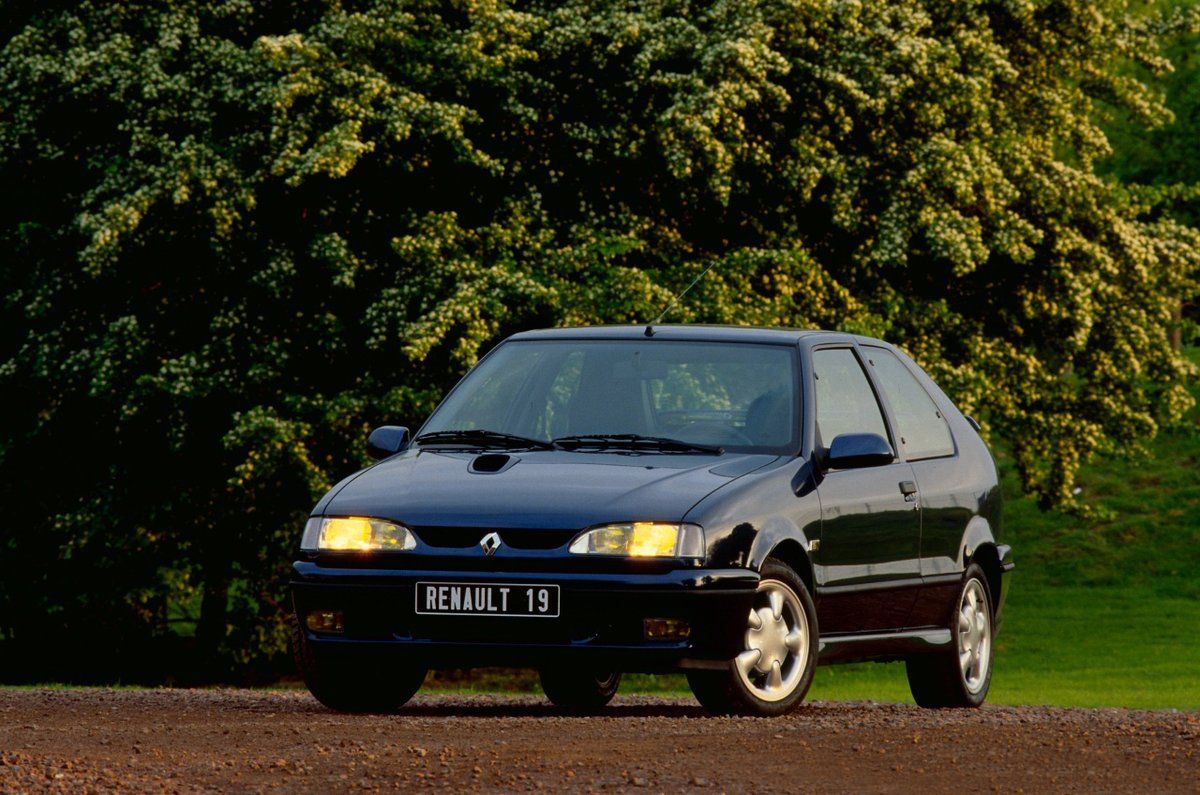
x=537 y=490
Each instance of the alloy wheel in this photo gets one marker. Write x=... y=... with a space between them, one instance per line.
x=777 y=643
x=974 y=636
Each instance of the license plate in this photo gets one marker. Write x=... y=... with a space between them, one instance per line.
x=487 y=599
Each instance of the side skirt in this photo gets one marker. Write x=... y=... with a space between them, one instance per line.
x=882 y=646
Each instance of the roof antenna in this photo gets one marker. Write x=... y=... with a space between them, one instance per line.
x=650 y=326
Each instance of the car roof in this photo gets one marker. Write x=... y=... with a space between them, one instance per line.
x=691 y=332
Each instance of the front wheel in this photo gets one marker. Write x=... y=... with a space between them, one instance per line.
x=344 y=684
x=961 y=675
x=579 y=689
x=774 y=672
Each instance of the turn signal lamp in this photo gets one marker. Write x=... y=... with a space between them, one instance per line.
x=329 y=622
x=666 y=629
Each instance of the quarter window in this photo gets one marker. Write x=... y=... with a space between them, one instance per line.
x=845 y=401
x=922 y=428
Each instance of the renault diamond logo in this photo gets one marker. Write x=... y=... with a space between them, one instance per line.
x=490 y=543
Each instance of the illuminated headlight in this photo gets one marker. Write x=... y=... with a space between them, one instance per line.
x=642 y=540
x=355 y=534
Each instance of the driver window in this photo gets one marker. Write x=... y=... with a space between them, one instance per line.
x=845 y=401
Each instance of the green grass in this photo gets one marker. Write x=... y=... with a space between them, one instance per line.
x=1069 y=646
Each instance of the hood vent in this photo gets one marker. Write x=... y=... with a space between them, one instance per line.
x=491 y=463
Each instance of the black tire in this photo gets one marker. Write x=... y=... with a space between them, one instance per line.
x=351 y=683
x=937 y=680
x=579 y=689
x=723 y=692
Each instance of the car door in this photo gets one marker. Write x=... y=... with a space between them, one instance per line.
x=945 y=485
x=869 y=553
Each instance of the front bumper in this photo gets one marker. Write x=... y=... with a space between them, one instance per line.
x=600 y=622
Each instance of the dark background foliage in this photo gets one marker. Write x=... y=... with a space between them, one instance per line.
x=236 y=235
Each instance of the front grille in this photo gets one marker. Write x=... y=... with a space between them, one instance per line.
x=450 y=537
x=464 y=537
x=536 y=539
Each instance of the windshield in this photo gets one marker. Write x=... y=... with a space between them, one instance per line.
x=740 y=397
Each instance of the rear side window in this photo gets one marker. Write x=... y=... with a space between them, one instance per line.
x=845 y=401
x=922 y=428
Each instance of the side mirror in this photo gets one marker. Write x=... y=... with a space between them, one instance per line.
x=855 y=450
x=386 y=440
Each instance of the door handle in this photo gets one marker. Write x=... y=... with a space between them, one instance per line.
x=909 y=489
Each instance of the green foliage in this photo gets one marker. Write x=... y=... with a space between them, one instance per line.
x=1164 y=157
x=1162 y=165
x=237 y=235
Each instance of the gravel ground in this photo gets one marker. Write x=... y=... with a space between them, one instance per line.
x=192 y=740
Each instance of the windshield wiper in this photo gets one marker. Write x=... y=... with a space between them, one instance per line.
x=477 y=438
x=633 y=441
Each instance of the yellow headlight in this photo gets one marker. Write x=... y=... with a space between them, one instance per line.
x=612 y=540
x=642 y=540
x=653 y=540
x=356 y=534
x=350 y=533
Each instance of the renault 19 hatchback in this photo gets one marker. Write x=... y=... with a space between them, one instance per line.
x=735 y=503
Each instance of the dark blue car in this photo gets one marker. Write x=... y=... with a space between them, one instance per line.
x=735 y=503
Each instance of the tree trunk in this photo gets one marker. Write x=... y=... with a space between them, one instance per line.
x=214 y=613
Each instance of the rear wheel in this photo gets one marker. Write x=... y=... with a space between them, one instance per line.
x=773 y=673
x=348 y=683
x=961 y=675
x=579 y=689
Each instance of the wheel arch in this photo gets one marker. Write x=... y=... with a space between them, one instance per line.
x=979 y=545
x=790 y=551
x=987 y=556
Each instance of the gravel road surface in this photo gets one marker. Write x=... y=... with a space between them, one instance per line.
x=193 y=740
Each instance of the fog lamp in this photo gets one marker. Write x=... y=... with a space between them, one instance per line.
x=326 y=621
x=666 y=629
